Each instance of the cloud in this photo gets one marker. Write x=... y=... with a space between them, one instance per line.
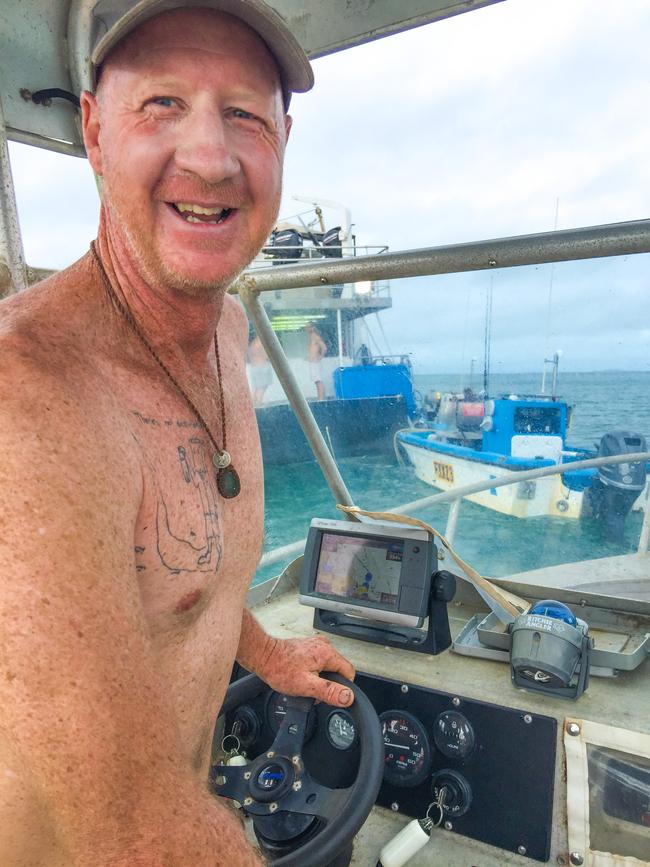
x=478 y=127
x=472 y=127
x=58 y=205
x=465 y=129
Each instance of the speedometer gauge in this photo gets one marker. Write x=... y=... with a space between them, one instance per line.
x=407 y=752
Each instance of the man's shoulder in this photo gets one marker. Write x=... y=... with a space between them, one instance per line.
x=48 y=343
x=234 y=322
x=44 y=331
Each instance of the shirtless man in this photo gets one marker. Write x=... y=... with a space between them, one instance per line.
x=261 y=370
x=316 y=351
x=124 y=571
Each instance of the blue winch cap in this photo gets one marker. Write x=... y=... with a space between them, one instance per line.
x=554 y=609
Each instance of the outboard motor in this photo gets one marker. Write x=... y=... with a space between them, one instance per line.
x=331 y=246
x=286 y=245
x=617 y=486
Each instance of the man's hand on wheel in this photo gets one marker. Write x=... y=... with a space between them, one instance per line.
x=292 y=666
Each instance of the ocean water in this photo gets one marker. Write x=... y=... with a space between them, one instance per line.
x=494 y=544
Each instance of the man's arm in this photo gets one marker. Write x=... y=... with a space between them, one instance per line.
x=292 y=666
x=81 y=701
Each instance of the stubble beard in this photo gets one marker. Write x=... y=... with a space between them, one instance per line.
x=156 y=272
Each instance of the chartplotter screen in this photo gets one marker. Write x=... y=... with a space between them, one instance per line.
x=360 y=568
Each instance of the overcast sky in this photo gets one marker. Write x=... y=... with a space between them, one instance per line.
x=465 y=129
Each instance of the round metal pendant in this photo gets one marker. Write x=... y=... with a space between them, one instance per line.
x=221 y=460
x=228 y=482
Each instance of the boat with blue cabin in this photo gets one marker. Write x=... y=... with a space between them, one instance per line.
x=475 y=439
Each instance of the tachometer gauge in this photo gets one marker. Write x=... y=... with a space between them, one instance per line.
x=276 y=710
x=407 y=752
x=341 y=732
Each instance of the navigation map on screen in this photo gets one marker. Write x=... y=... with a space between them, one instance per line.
x=362 y=569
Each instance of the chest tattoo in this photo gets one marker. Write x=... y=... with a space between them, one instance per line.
x=197 y=552
x=187 y=531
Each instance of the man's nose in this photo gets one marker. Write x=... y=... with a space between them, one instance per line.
x=206 y=149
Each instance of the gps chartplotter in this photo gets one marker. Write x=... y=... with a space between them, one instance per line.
x=376 y=582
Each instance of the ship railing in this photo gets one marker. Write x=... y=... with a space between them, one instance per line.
x=455 y=497
x=399 y=358
x=294 y=254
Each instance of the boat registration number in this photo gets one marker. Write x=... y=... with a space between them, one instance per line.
x=444 y=472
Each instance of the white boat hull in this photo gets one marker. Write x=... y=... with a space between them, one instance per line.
x=533 y=499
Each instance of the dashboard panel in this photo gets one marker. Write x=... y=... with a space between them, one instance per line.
x=492 y=768
x=496 y=764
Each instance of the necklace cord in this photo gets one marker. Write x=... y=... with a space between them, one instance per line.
x=131 y=321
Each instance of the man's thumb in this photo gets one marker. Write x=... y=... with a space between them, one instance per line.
x=333 y=693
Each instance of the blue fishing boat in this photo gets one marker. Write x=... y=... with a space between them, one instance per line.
x=473 y=439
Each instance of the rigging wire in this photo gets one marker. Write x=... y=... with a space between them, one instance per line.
x=371 y=336
x=549 y=305
x=383 y=333
x=461 y=383
x=487 y=337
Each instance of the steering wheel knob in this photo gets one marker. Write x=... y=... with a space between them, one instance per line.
x=273 y=780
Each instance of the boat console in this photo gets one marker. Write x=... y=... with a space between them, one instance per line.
x=504 y=775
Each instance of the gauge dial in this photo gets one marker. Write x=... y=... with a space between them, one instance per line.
x=453 y=734
x=341 y=731
x=276 y=710
x=407 y=753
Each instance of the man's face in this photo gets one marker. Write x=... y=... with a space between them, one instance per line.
x=189 y=119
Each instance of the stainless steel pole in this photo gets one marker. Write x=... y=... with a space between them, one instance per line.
x=644 y=535
x=274 y=350
x=339 y=332
x=616 y=239
x=452 y=520
x=12 y=255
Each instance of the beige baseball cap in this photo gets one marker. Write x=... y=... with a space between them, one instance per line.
x=113 y=19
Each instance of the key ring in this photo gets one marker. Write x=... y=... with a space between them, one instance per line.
x=235 y=749
x=436 y=823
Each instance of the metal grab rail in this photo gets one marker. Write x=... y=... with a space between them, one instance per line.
x=454 y=496
x=13 y=274
x=289 y=254
x=615 y=239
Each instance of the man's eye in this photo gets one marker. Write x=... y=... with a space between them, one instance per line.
x=243 y=115
x=164 y=101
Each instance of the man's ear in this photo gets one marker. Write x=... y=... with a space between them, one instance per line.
x=90 y=126
x=288 y=123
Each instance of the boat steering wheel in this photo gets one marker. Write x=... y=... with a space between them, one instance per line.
x=276 y=787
